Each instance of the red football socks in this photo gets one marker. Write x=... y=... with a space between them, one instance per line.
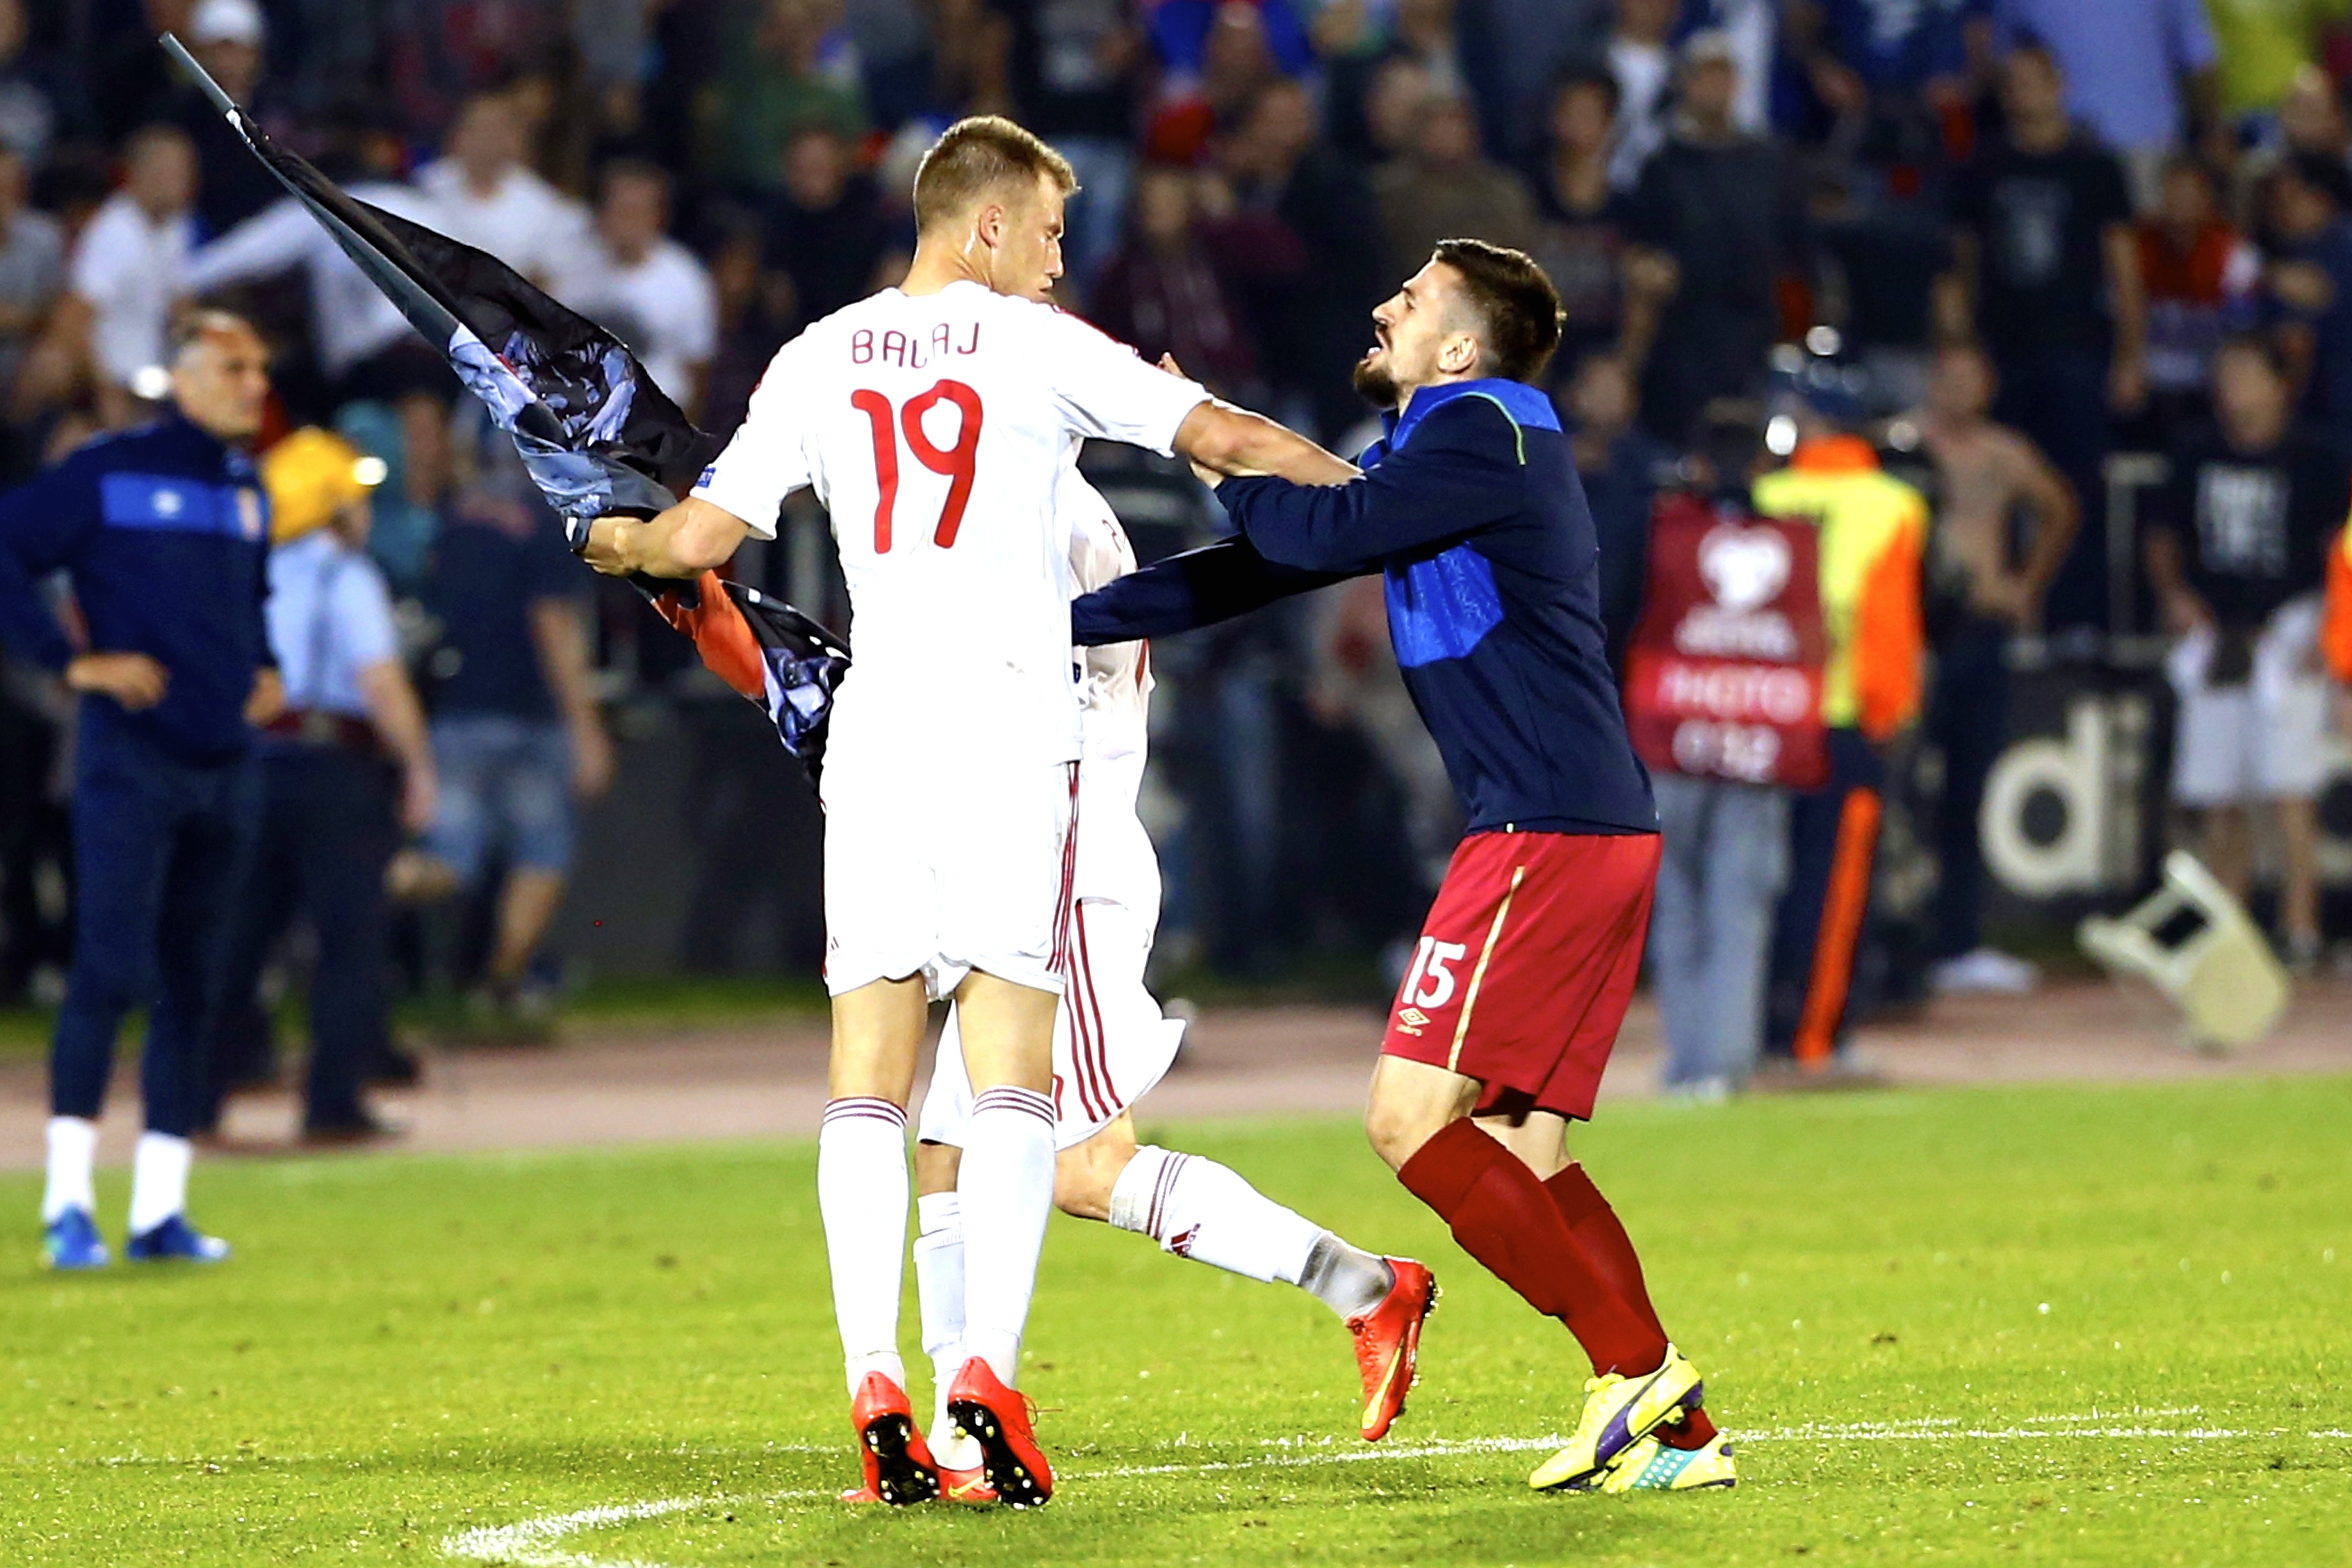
x=1602 y=1238
x=1502 y=1217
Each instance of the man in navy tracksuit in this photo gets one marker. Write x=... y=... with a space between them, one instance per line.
x=1470 y=510
x=163 y=532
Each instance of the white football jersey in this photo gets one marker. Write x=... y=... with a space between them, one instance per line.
x=935 y=429
x=1114 y=680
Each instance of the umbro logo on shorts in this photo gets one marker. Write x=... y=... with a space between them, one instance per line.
x=1413 y=1020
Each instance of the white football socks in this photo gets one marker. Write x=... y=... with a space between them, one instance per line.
x=861 y=1191
x=938 y=1286
x=159 y=1180
x=1006 y=1186
x=1200 y=1209
x=73 y=1155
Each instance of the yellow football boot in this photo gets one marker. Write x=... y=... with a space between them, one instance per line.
x=1619 y=1411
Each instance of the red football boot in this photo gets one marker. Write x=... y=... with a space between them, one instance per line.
x=899 y=1466
x=966 y=1486
x=1000 y=1419
x=1388 y=1343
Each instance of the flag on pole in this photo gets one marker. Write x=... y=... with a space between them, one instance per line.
x=597 y=435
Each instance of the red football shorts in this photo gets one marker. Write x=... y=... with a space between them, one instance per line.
x=1526 y=966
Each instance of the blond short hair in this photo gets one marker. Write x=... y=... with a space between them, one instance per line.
x=976 y=157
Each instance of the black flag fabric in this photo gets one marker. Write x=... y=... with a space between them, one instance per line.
x=597 y=435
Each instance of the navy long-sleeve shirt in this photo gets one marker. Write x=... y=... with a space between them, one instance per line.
x=164 y=533
x=1472 y=512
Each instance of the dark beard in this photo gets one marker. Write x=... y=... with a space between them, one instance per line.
x=1374 y=383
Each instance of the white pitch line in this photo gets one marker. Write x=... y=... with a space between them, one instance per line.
x=534 y=1542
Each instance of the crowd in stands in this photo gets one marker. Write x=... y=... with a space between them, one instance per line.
x=2018 y=236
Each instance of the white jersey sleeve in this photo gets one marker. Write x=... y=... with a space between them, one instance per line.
x=768 y=458
x=1103 y=389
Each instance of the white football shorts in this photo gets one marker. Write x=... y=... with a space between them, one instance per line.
x=1111 y=1044
x=2263 y=739
x=938 y=872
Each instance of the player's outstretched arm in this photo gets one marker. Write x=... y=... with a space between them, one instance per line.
x=691 y=538
x=1240 y=445
x=1198 y=588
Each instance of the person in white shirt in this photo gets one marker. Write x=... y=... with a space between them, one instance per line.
x=642 y=287
x=934 y=421
x=353 y=320
x=126 y=268
x=485 y=197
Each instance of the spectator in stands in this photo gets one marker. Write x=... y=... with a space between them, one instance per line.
x=1872 y=535
x=780 y=78
x=332 y=812
x=1075 y=75
x=1981 y=592
x=1723 y=207
x=232 y=184
x=1608 y=290
x=1224 y=51
x=1515 y=51
x=2238 y=558
x=826 y=230
x=1419 y=43
x=2139 y=74
x=646 y=288
x=2047 y=274
x=2311 y=120
x=1165 y=291
x=126 y=268
x=485 y=197
x=1621 y=467
x=32 y=274
x=1444 y=188
x=1310 y=331
x=1913 y=53
x=1638 y=55
x=365 y=347
x=754 y=310
x=2261 y=52
x=2309 y=286
x=1399 y=88
x=28 y=90
x=2198 y=277
x=517 y=737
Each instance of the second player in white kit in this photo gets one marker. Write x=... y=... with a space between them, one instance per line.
x=1111 y=1045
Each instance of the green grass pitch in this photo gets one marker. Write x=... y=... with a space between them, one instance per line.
x=2052 y=1325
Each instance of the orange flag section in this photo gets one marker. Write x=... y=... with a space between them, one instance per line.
x=721 y=635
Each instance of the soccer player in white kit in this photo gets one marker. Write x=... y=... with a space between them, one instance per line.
x=1111 y=1045
x=933 y=421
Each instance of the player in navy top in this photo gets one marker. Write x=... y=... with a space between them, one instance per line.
x=1471 y=511
x=163 y=533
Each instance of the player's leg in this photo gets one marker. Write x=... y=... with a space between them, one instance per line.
x=1005 y=1186
x=121 y=839
x=1540 y=1142
x=198 y=883
x=1196 y=1209
x=861 y=1182
x=939 y=1256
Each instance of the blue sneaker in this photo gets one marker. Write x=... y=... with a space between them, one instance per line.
x=175 y=1238
x=72 y=1242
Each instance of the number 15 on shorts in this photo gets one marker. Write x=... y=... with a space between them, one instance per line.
x=1429 y=983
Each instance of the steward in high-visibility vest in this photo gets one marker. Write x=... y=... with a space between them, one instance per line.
x=1872 y=531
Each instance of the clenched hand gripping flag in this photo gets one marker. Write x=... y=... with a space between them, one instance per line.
x=597 y=435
